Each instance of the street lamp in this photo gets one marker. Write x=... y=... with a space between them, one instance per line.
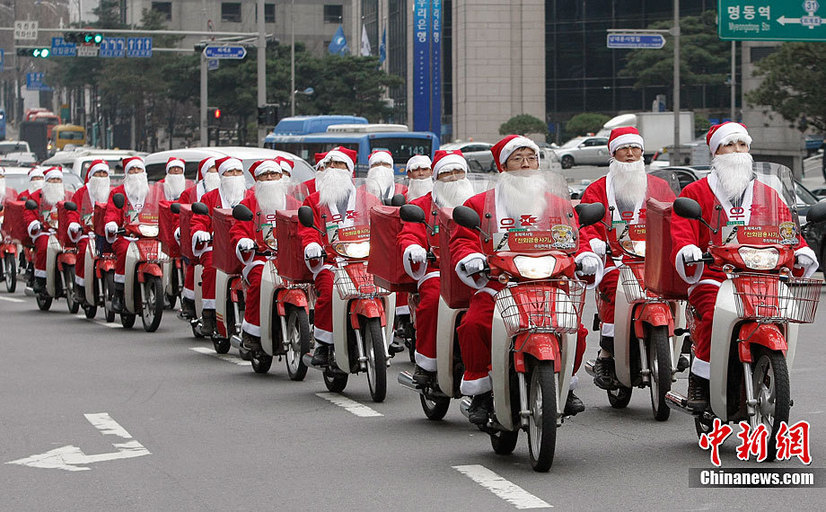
x=309 y=91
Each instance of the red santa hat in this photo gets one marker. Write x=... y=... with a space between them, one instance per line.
x=227 y=163
x=342 y=154
x=263 y=166
x=287 y=164
x=448 y=160
x=96 y=166
x=624 y=136
x=505 y=147
x=35 y=172
x=418 y=162
x=174 y=162
x=53 y=172
x=380 y=156
x=204 y=165
x=133 y=161
x=724 y=133
x=319 y=157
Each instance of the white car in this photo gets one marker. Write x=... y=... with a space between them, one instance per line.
x=77 y=161
x=584 y=151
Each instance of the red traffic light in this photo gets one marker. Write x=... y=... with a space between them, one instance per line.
x=217 y=113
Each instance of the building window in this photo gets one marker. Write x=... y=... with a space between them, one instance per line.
x=333 y=13
x=269 y=13
x=231 y=11
x=165 y=8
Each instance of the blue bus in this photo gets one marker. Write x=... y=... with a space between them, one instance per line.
x=2 y=124
x=364 y=139
x=302 y=125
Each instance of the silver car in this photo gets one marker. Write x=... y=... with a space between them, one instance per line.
x=584 y=151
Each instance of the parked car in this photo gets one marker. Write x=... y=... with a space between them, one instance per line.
x=584 y=151
x=477 y=154
x=14 y=146
x=18 y=179
x=78 y=160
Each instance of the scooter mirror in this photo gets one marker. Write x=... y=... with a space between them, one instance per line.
x=817 y=212
x=411 y=213
x=305 y=216
x=118 y=200
x=175 y=208
x=242 y=213
x=200 y=208
x=70 y=206
x=466 y=217
x=687 y=208
x=397 y=200
x=589 y=213
x=31 y=204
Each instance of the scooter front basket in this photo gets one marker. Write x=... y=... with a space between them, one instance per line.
x=553 y=305
x=769 y=298
x=353 y=281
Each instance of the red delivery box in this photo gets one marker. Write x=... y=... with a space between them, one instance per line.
x=661 y=277
x=290 y=261
x=13 y=223
x=98 y=219
x=185 y=218
x=63 y=225
x=223 y=252
x=167 y=224
x=385 y=261
x=455 y=293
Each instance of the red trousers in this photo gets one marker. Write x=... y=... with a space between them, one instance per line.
x=189 y=280
x=207 y=281
x=702 y=298
x=80 y=266
x=607 y=290
x=427 y=312
x=475 y=340
x=323 y=316
x=119 y=247
x=252 y=302
x=41 y=244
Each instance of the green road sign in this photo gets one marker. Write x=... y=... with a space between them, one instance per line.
x=771 y=20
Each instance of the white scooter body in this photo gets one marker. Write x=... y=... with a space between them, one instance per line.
x=89 y=272
x=445 y=342
x=53 y=249
x=133 y=257
x=222 y=282
x=199 y=303
x=270 y=282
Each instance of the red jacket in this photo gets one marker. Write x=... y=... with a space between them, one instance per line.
x=329 y=221
x=120 y=216
x=213 y=199
x=46 y=217
x=253 y=229
x=415 y=233
x=85 y=210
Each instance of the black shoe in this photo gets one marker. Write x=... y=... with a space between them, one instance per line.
x=39 y=285
x=480 y=408
x=187 y=308
x=117 y=298
x=423 y=378
x=251 y=343
x=683 y=363
x=605 y=375
x=208 y=322
x=321 y=355
x=395 y=347
x=573 y=405
x=697 y=393
x=79 y=294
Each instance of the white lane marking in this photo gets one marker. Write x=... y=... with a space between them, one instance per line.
x=223 y=357
x=72 y=458
x=352 y=406
x=111 y=325
x=11 y=299
x=508 y=491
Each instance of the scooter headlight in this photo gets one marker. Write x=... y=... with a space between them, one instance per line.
x=535 y=267
x=759 y=259
x=148 y=231
x=357 y=250
x=635 y=247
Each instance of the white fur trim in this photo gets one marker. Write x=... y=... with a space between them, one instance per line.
x=514 y=144
x=188 y=294
x=728 y=132
x=701 y=368
x=268 y=166
x=809 y=253
x=40 y=273
x=477 y=386
x=600 y=268
x=249 y=328
x=408 y=266
x=598 y=246
x=679 y=265
x=402 y=310
x=54 y=172
x=480 y=280
x=338 y=156
x=137 y=162
x=322 y=336
x=427 y=363
x=574 y=383
x=74 y=226
x=427 y=276
x=238 y=253
x=228 y=164
x=710 y=282
x=448 y=163
x=208 y=304
x=100 y=166
x=380 y=157
x=80 y=281
x=626 y=139
x=606 y=329
x=33 y=227
x=175 y=163
x=417 y=162
x=120 y=278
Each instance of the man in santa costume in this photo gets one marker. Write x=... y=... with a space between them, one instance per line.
x=229 y=193
x=36 y=181
x=42 y=219
x=419 y=176
x=451 y=189
x=380 y=177
x=271 y=193
x=522 y=194
x=336 y=205
x=732 y=186
x=320 y=165
x=136 y=191
x=96 y=190
x=174 y=183
x=624 y=192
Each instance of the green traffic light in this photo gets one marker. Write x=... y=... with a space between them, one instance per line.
x=98 y=38
x=40 y=52
x=87 y=38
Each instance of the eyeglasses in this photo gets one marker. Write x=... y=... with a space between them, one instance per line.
x=529 y=159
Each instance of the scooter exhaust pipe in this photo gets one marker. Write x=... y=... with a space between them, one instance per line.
x=406 y=380
x=464 y=405
x=589 y=368
x=235 y=341
x=677 y=402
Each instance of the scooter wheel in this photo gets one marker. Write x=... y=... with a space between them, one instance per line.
x=127 y=320
x=222 y=345
x=620 y=397
x=504 y=442
x=435 y=409
x=335 y=382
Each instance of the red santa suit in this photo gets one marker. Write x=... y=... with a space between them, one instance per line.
x=260 y=229
x=602 y=191
x=428 y=284
x=705 y=282
x=191 y=195
x=84 y=216
x=129 y=215
x=212 y=199
x=46 y=216
x=10 y=195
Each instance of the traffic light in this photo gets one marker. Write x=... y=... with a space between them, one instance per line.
x=213 y=114
x=83 y=37
x=217 y=113
x=40 y=53
x=268 y=115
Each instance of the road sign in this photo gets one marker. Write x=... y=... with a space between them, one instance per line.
x=225 y=52
x=60 y=48
x=34 y=82
x=775 y=20
x=112 y=47
x=632 y=40
x=25 y=30
x=87 y=50
x=140 y=47
x=212 y=64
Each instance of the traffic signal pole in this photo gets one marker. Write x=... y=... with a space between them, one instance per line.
x=204 y=129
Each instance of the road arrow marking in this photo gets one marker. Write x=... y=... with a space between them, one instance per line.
x=10 y=299
x=352 y=406
x=508 y=491
x=223 y=357
x=72 y=458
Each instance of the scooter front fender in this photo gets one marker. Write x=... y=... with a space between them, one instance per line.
x=767 y=335
x=368 y=308
x=656 y=314
x=66 y=258
x=541 y=346
x=151 y=269
x=293 y=296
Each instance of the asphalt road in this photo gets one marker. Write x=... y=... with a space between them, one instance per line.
x=220 y=437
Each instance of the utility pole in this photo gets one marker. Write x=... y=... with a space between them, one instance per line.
x=675 y=160
x=261 y=62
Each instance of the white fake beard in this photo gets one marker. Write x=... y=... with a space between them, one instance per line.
x=522 y=192
x=419 y=187
x=211 y=181
x=99 y=188
x=136 y=187
x=629 y=181
x=173 y=186
x=450 y=194
x=36 y=185
x=336 y=186
x=271 y=195
x=233 y=189
x=734 y=173
x=52 y=193
x=379 y=181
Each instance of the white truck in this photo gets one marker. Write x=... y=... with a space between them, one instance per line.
x=656 y=128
